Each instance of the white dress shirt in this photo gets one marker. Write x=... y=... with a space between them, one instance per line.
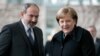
x=26 y=27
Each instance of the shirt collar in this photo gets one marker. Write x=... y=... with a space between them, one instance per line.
x=94 y=39
x=26 y=26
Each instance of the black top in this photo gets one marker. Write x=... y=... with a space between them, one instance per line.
x=78 y=42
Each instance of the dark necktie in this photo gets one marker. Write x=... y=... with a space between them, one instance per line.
x=30 y=36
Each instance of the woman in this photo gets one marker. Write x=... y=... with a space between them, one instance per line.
x=72 y=40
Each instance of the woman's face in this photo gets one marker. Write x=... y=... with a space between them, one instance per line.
x=67 y=23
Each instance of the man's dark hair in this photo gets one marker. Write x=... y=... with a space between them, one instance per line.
x=27 y=5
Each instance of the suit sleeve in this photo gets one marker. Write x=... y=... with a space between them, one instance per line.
x=87 y=44
x=48 y=48
x=5 y=39
x=41 y=47
x=43 y=51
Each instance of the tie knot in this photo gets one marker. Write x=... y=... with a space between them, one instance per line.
x=29 y=30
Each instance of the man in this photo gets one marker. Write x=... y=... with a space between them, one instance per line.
x=23 y=38
x=93 y=32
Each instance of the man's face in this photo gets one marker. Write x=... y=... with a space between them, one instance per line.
x=67 y=23
x=31 y=15
x=92 y=32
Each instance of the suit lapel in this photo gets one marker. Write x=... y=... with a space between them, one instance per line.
x=36 y=34
x=25 y=37
x=23 y=33
x=37 y=38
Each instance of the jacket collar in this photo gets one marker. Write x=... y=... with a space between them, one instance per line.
x=60 y=35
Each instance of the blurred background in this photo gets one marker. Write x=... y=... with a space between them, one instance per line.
x=88 y=13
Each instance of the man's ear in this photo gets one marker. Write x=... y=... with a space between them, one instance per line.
x=21 y=13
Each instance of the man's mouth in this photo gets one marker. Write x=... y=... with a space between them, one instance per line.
x=33 y=23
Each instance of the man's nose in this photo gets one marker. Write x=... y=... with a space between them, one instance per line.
x=34 y=19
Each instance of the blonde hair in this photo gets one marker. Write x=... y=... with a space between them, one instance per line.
x=66 y=10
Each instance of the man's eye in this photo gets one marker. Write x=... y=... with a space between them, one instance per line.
x=31 y=15
x=37 y=16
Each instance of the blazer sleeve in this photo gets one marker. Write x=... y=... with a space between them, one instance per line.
x=5 y=39
x=87 y=44
x=40 y=39
x=48 y=48
x=42 y=46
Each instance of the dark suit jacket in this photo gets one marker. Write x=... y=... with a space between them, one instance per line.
x=14 y=41
x=97 y=47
